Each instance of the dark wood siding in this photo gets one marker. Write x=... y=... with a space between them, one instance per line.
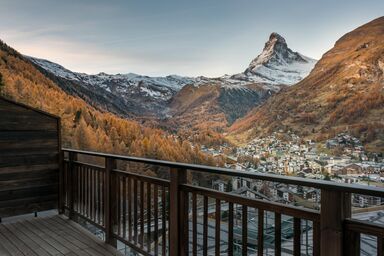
x=29 y=159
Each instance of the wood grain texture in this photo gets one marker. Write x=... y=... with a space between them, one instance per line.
x=29 y=159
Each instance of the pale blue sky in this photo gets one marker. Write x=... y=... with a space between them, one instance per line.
x=186 y=37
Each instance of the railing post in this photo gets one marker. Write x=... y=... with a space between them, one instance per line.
x=335 y=208
x=110 y=201
x=72 y=157
x=178 y=214
x=61 y=204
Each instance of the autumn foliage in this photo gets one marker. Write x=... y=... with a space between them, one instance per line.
x=84 y=127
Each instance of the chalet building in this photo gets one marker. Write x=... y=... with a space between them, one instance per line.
x=285 y=193
x=312 y=195
x=220 y=185
x=352 y=169
x=247 y=192
x=364 y=201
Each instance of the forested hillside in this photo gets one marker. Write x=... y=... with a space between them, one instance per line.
x=83 y=126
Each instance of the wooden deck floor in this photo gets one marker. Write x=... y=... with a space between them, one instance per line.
x=53 y=235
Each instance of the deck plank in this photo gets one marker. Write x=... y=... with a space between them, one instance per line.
x=9 y=249
x=17 y=242
x=43 y=243
x=35 y=247
x=54 y=239
x=52 y=235
x=79 y=232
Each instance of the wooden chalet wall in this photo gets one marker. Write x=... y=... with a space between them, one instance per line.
x=29 y=159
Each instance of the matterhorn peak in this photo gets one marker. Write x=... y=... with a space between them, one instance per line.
x=275 y=49
x=275 y=37
x=277 y=64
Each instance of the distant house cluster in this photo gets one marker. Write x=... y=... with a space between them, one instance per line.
x=288 y=154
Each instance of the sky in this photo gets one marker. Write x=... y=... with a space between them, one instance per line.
x=184 y=37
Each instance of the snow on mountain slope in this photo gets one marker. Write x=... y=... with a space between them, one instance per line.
x=153 y=86
x=277 y=64
x=138 y=95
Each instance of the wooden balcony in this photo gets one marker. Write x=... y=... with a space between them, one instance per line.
x=164 y=215
x=170 y=216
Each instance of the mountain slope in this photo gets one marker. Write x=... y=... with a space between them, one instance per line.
x=213 y=106
x=344 y=92
x=128 y=95
x=215 y=103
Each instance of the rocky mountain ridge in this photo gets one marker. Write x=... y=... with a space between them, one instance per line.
x=164 y=98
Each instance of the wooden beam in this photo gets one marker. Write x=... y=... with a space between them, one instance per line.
x=335 y=208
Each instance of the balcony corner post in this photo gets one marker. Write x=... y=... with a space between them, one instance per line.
x=109 y=198
x=335 y=208
x=178 y=213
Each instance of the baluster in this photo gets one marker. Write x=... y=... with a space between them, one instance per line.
x=135 y=224
x=277 y=234
x=164 y=220
x=99 y=196
x=84 y=180
x=142 y=214
x=205 y=226
x=352 y=243
x=380 y=246
x=88 y=191
x=230 y=229
x=148 y=217
x=118 y=187
x=217 y=227
x=316 y=238
x=156 y=217
x=260 y=232
x=194 y=224
x=245 y=230
x=124 y=207
x=62 y=187
x=129 y=209
x=296 y=236
x=110 y=164
x=92 y=202
x=72 y=158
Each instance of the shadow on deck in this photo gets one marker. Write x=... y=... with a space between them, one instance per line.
x=50 y=235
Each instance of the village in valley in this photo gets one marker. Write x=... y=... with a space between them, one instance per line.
x=340 y=159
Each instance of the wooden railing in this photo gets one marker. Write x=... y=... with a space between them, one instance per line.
x=169 y=216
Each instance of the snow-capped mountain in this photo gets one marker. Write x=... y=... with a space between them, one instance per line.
x=123 y=94
x=133 y=95
x=153 y=86
x=277 y=64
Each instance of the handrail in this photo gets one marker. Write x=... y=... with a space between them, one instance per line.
x=320 y=184
x=364 y=227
